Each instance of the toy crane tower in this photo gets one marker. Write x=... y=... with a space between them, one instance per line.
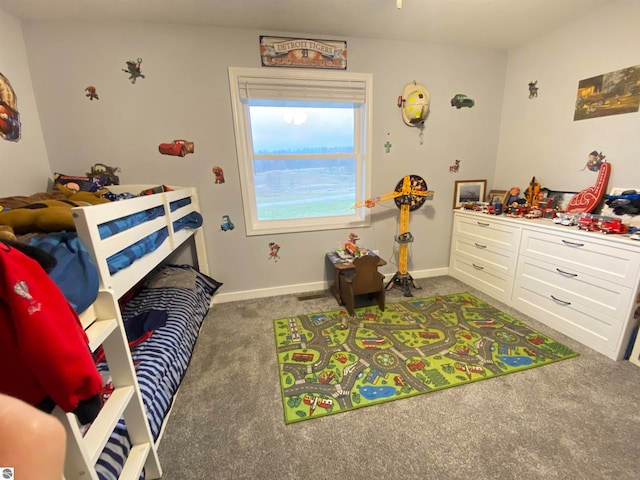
x=409 y=195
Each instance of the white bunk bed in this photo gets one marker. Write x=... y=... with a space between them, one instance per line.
x=104 y=326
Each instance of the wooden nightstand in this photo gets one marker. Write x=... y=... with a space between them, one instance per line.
x=338 y=264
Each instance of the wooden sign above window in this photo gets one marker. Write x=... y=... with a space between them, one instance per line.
x=303 y=52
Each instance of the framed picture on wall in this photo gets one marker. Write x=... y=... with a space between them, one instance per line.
x=469 y=191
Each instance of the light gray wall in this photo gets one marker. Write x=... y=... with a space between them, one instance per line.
x=24 y=167
x=186 y=95
x=538 y=137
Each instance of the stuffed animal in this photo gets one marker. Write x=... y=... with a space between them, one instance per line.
x=83 y=198
x=6 y=233
x=48 y=215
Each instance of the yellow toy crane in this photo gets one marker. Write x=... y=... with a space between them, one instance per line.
x=409 y=195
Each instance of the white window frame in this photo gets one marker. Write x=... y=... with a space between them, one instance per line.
x=323 y=81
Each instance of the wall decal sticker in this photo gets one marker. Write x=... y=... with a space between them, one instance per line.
x=10 y=127
x=460 y=100
x=226 y=224
x=178 y=148
x=217 y=171
x=533 y=89
x=274 y=248
x=104 y=173
x=594 y=162
x=133 y=69
x=455 y=167
x=91 y=93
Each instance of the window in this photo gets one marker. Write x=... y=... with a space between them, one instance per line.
x=302 y=138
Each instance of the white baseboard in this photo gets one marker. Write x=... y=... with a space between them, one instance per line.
x=307 y=287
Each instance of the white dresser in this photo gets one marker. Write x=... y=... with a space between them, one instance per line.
x=583 y=284
x=484 y=253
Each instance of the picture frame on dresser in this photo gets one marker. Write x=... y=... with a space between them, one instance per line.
x=560 y=199
x=496 y=196
x=469 y=191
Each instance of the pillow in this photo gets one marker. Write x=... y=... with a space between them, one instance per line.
x=167 y=278
x=78 y=184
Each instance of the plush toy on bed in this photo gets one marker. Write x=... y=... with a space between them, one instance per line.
x=6 y=233
x=51 y=215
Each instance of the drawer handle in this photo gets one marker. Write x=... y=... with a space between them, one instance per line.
x=477 y=267
x=562 y=272
x=482 y=224
x=560 y=301
x=480 y=246
x=572 y=244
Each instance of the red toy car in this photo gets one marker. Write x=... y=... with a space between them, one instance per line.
x=614 y=226
x=177 y=148
x=588 y=222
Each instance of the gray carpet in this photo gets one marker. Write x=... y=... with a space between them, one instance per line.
x=575 y=419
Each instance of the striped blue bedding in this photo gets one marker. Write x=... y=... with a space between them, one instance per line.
x=129 y=255
x=162 y=360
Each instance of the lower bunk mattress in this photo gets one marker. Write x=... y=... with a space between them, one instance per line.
x=162 y=321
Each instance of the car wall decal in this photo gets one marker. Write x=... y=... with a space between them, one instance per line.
x=226 y=224
x=460 y=100
x=10 y=127
x=105 y=173
x=177 y=148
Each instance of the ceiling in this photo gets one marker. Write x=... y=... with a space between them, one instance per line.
x=499 y=24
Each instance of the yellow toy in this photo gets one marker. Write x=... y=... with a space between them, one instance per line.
x=410 y=193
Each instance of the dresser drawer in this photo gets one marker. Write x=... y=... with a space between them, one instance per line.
x=599 y=298
x=583 y=253
x=487 y=231
x=485 y=278
x=485 y=254
x=570 y=315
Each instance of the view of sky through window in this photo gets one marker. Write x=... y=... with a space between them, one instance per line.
x=304 y=164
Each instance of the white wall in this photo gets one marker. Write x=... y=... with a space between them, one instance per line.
x=24 y=167
x=186 y=95
x=538 y=137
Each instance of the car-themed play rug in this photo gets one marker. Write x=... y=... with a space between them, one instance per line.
x=330 y=362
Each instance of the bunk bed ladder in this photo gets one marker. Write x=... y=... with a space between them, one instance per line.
x=104 y=327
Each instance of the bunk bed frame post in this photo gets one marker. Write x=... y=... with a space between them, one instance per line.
x=104 y=327
x=77 y=465
x=198 y=240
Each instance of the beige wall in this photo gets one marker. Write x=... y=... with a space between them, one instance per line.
x=538 y=136
x=185 y=94
x=24 y=167
x=506 y=138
